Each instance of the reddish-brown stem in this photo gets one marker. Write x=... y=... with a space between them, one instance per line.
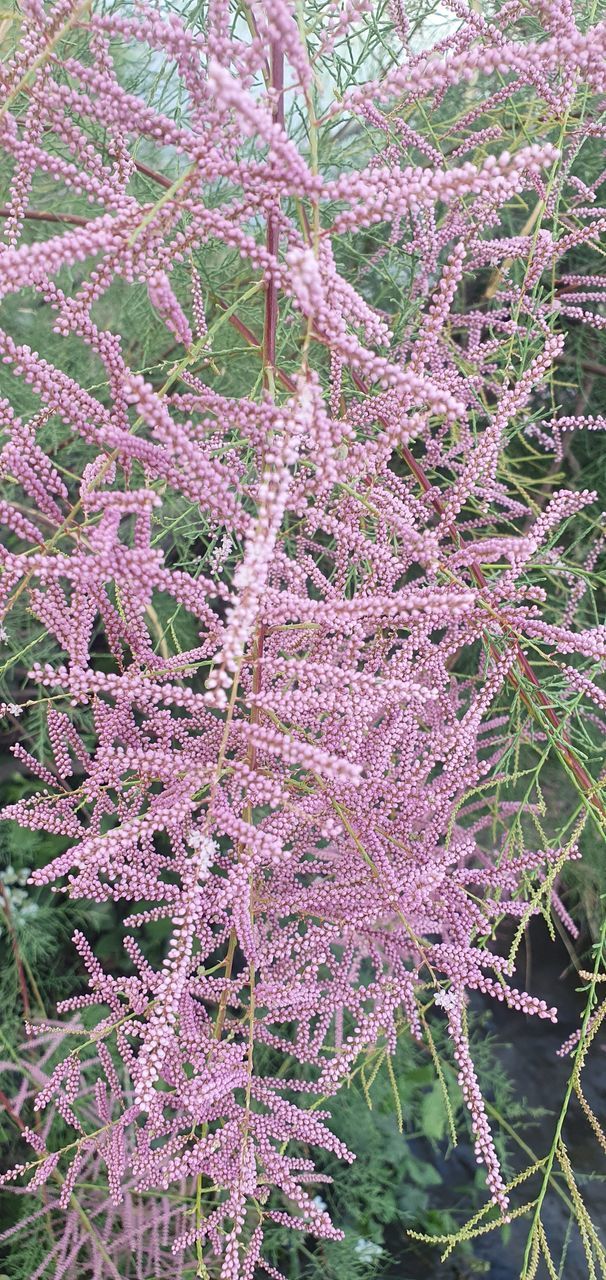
x=154 y=177
x=40 y=215
x=8 y=1109
x=241 y=328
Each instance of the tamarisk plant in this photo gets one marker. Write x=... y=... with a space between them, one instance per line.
x=290 y=745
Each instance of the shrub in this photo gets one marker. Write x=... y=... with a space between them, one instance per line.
x=311 y=611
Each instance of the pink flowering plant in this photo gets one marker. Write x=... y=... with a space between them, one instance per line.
x=297 y=598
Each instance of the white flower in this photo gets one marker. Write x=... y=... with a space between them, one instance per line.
x=367 y=1250
x=446 y=1000
x=220 y=554
x=206 y=849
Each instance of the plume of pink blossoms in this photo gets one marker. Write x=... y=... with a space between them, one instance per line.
x=292 y=792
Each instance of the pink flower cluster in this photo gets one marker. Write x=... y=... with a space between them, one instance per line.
x=296 y=792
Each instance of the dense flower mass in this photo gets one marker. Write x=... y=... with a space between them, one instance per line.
x=290 y=745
